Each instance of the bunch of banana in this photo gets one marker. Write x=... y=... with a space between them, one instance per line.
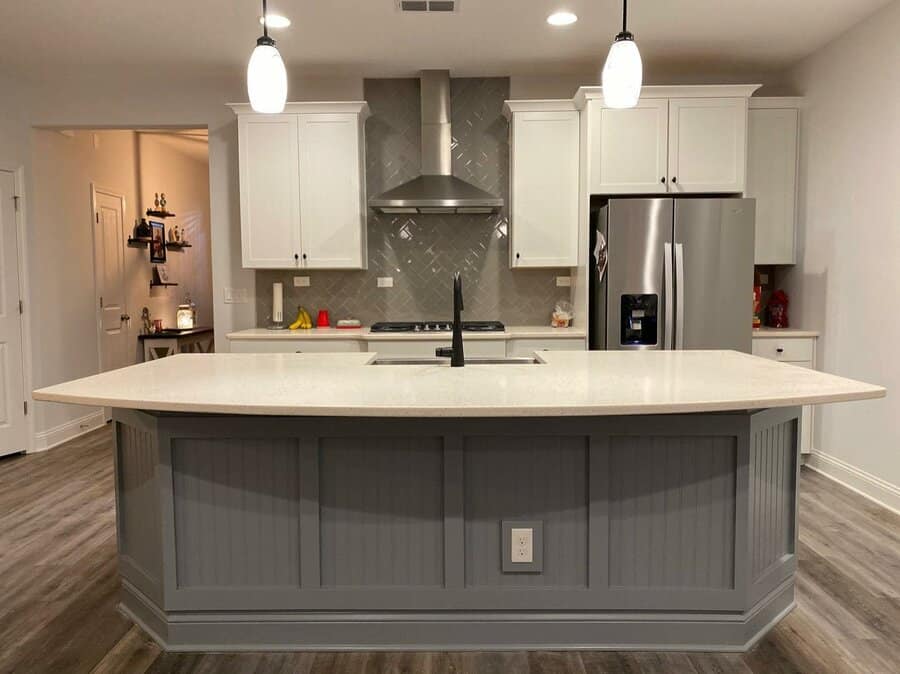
x=304 y=320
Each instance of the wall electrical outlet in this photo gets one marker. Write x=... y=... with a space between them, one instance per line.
x=236 y=296
x=563 y=281
x=385 y=281
x=522 y=546
x=301 y=281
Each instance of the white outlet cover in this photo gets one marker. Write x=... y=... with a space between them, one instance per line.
x=522 y=546
x=385 y=281
x=301 y=281
x=563 y=281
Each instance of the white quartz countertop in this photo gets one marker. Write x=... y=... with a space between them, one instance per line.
x=566 y=383
x=781 y=333
x=365 y=334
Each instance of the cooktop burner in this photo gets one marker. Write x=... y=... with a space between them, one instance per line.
x=438 y=326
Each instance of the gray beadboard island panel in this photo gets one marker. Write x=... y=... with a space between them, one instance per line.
x=540 y=478
x=381 y=503
x=297 y=533
x=421 y=252
x=237 y=512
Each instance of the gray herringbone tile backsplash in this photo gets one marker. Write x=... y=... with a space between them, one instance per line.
x=422 y=251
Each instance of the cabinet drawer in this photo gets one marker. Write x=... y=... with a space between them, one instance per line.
x=527 y=347
x=413 y=348
x=795 y=349
x=297 y=346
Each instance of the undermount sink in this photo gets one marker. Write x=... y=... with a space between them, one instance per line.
x=518 y=360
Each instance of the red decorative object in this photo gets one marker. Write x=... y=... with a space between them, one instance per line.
x=777 y=310
x=323 y=320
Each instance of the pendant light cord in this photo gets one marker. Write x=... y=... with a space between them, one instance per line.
x=266 y=20
x=624 y=15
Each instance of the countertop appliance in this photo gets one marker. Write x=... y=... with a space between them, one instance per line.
x=671 y=273
x=438 y=326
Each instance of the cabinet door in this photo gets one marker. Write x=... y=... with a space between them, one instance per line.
x=707 y=144
x=772 y=181
x=332 y=213
x=270 y=191
x=629 y=148
x=544 y=190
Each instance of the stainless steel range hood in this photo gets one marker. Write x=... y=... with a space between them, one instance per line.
x=437 y=190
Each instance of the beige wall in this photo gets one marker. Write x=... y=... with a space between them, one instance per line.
x=179 y=167
x=847 y=281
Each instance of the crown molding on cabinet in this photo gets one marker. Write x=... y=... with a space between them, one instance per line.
x=360 y=108
x=585 y=94
x=551 y=105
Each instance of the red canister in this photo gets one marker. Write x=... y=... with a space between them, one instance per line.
x=322 y=321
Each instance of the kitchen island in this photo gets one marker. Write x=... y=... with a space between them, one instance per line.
x=279 y=501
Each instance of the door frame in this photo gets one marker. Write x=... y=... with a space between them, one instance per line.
x=95 y=189
x=18 y=174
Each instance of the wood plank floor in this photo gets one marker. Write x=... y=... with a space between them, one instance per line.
x=58 y=592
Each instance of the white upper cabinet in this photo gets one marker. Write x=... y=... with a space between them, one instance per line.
x=772 y=154
x=332 y=195
x=629 y=148
x=544 y=183
x=707 y=144
x=303 y=186
x=678 y=139
x=269 y=156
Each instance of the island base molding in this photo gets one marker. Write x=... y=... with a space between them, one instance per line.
x=670 y=532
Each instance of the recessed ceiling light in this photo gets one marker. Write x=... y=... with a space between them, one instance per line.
x=562 y=19
x=275 y=21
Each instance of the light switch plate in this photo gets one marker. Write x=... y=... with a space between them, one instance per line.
x=236 y=296
x=385 y=281
x=519 y=528
x=301 y=281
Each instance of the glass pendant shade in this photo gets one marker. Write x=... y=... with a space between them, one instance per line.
x=623 y=74
x=266 y=78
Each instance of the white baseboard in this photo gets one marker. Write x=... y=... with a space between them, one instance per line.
x=873 y=488
x=53 y=437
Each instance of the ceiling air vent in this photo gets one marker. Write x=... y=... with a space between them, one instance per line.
x=428 y=5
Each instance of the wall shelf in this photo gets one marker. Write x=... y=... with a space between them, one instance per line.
x=154 y=284
x=170 y=245
x=159 y=214
x=177 y=245
x=132 y=241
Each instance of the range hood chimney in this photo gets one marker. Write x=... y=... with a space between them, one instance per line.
x=436 y=190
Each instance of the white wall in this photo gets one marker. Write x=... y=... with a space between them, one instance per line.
x=846 y=284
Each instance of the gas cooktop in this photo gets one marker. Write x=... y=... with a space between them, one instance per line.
x=438 y=326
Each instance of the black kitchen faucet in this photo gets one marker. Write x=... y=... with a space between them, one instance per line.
x=455 y=352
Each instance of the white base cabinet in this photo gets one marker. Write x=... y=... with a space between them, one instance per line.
x=800 y=351
x=302 y=177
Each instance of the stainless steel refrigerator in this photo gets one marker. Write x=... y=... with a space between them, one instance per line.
x=672 y=273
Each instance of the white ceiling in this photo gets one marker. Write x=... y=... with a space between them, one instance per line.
x=372 y=38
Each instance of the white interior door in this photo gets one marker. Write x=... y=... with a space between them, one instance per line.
x=109 y=279
x=13 y=433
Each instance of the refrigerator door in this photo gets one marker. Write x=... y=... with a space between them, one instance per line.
x=714 y=244
x=637 y=305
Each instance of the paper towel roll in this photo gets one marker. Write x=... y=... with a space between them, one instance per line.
x=277 y=303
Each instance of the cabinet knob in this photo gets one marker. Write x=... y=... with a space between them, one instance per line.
x=674 y=180
x=780 y=349
x=304 y=256
x=296 y=257
x=663 y=180
x=518 y=256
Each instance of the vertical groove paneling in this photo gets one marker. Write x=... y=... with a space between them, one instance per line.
x=139 y=515
x=772 y=489
x=521 y=478
x=382 y=511
x=236 y=512
x=671 y=511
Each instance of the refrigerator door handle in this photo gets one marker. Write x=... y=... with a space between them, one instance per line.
x=679 y=296
x=669 y=297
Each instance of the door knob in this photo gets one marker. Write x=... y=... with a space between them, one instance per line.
x=124 y=317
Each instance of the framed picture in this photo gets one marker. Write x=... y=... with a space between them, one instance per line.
x=157 y=242
x=162 y=273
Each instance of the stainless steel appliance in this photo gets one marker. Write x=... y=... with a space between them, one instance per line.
x=438 y=326
x=672 y=273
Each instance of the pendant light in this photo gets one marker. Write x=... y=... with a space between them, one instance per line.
x=266 y=75
x=623 y=73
